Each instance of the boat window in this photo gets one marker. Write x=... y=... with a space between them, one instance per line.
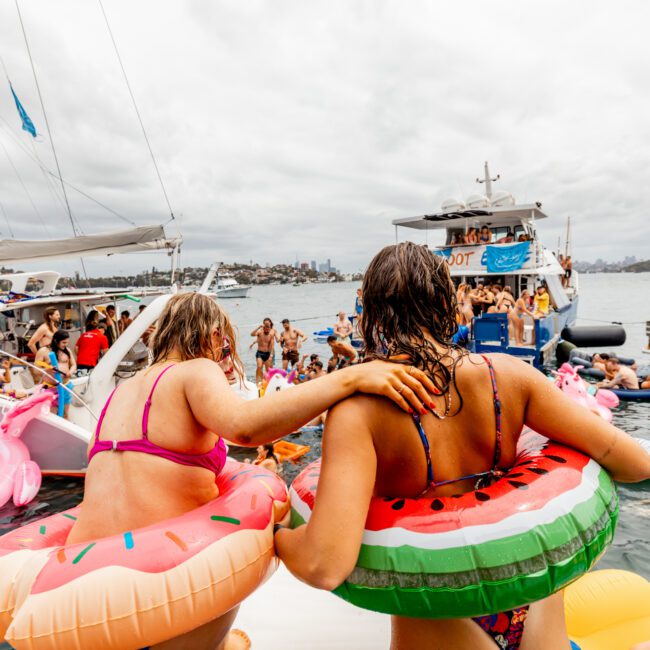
x=34 y=285
x=71 y=316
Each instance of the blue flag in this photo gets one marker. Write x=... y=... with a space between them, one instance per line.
x=503 y=259
x=28 y=125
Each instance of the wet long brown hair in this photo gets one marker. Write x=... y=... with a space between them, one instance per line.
x=407 y=293
x=186 y=327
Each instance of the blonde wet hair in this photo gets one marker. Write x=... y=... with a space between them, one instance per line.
x=186 y=327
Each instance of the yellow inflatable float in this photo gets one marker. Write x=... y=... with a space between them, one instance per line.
x=608 y=610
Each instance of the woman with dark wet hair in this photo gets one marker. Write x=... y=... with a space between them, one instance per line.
x=372 y=448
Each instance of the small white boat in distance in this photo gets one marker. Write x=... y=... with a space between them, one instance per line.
x=226 y=285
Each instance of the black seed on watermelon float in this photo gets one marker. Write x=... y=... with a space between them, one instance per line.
x=519 y=485
x=539 y=470
x=481 y=496
x=437 y=504
x=557 y=459
x=398 y=505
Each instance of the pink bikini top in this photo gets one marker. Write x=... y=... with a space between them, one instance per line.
x=213 y=460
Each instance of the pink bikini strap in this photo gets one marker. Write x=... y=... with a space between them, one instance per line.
x=147 y=404
x=103 y=413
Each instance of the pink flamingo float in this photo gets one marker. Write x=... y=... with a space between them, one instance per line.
x=20 y=477
x=569 y=382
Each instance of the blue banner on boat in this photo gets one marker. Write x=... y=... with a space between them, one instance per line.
x=28 y=125
x=444 y=252
x=503 y=259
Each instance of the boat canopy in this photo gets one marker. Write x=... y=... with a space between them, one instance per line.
x=140 y=239
x=492 y=216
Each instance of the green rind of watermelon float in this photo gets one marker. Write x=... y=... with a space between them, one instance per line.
x=541 y=526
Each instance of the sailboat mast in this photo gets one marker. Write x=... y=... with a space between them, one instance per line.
x=567 y=244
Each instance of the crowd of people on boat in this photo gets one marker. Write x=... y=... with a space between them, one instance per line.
x=495 y=298
x=484 y=235
x=55 y=363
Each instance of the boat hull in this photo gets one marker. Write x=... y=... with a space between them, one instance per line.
x=58 y=446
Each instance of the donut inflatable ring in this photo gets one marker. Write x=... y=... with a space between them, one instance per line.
x=532 y=532
x=144 y=586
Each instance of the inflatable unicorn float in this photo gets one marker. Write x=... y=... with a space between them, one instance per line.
x=570 y=383
x=20 y=477
x=277 y=379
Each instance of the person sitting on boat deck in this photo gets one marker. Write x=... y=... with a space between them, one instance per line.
x=58 y=360
x=111 y=324
x=291 y=338
x=343 y=328
x=157 y=427
x=124 y=322
x=507 y=238
x=42 y=337
x=91 y=345
x=5 y=372
x=265 y=337
x=485 y=236
x=516 y=317
x=623 y=376
x=343 y=354
x=541 y=302
x=471 y=238
x=410 y=318
x=458 y=239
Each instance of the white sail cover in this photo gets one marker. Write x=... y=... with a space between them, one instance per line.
x=134 y=240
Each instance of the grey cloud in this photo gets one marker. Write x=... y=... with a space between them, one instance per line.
x=293 y=127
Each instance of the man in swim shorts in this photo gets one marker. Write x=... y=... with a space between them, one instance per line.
x=265 y=338
x=291 y=339
x=343 y=328
x=343 y=354
x=624 y=376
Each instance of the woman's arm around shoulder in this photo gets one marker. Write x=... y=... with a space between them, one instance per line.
x=324 y=551
x=550 y=412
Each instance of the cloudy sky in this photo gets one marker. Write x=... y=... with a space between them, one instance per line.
x=300 y=128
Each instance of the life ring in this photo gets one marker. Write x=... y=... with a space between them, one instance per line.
x=143 y=586
x=608 y=609
x=529 y=534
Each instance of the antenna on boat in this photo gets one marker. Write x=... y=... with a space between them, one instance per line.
x=487 y=180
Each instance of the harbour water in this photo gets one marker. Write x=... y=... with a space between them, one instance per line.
x=604 y=297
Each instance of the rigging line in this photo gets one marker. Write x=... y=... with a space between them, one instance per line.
x=33 y=155
x=49 y=132
x=29 y=196
x=135 y=106
x=4 y=212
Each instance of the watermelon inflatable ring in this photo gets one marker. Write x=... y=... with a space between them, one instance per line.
x=529 y=534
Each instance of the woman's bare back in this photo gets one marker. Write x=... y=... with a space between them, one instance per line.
x=145 y=488
x=461 y=445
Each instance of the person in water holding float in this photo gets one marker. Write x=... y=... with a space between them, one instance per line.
x=387 y=475
x=159 y=444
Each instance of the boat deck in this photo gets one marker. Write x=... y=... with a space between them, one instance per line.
x=286 y=613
